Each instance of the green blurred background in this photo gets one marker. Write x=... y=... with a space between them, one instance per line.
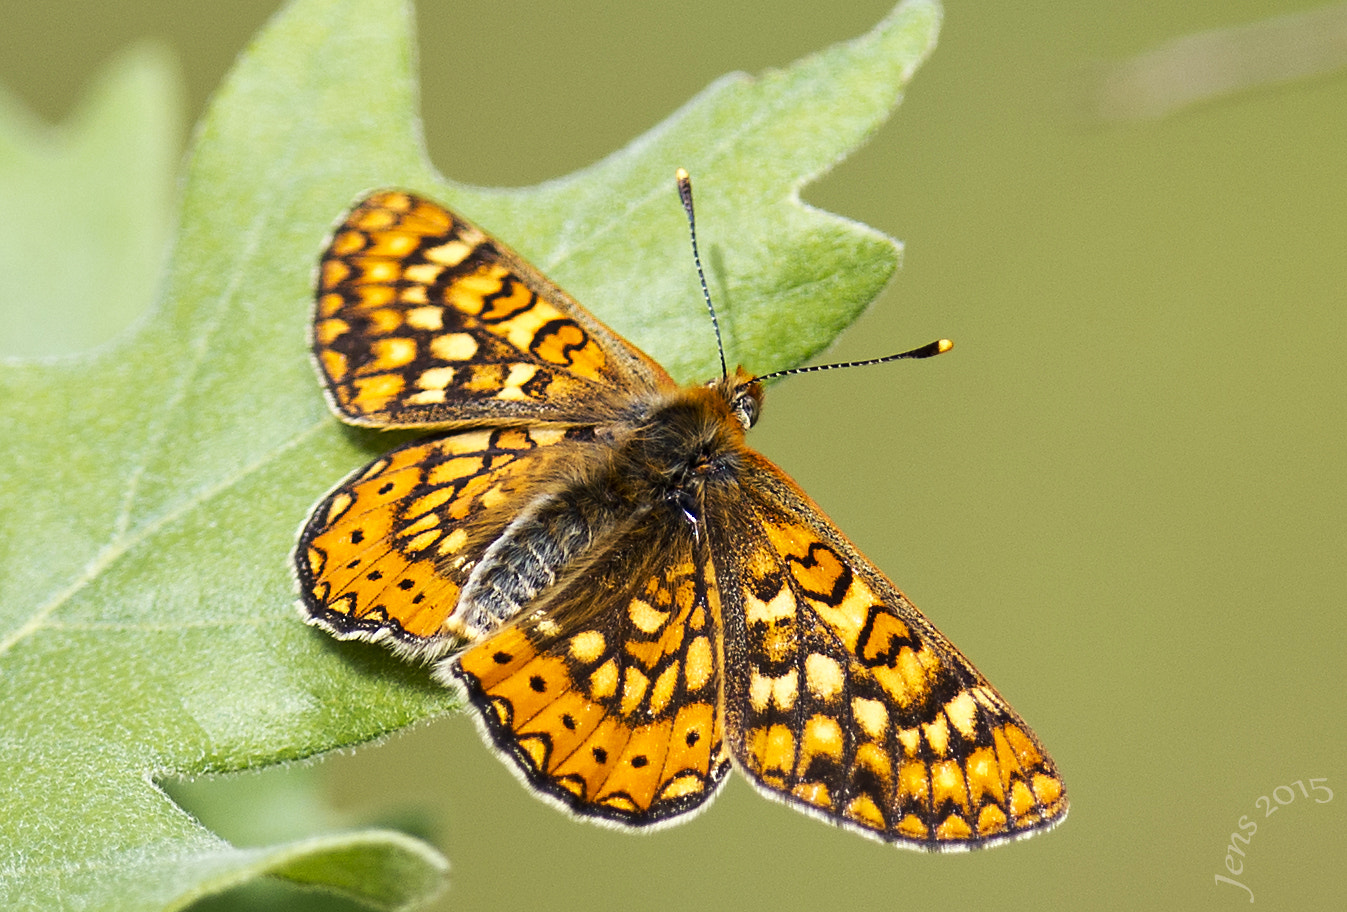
x=1122 y=495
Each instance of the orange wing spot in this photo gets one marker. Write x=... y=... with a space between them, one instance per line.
x=325 y=331
x=566 y=343
x=331 y=274
x=947 y=784
x=1007 y=761
x=908 y=680
x=681 y=787
x=455 y=469
x=1022 y=802
x=390 y=354
x=483 y=378
x=334 y=365
x=423 y=541
x=913 y=784
x=603 y=682
x=372 y=297
x=870 y=756
x=913 y=827
x=396 y=244
x=372 y=392
x=634 y=686
x=376 y=272
x=864 y=811
x=427 y=218
x=885 y=633
x=663 y=691
x=778 y=753
x=647 y=653
x=1048 y=789
x=329 y=304
x=991 y=821
x=381 y=322
x=344 y=244
x=815 y=793
x=425 y=521
x=1024 y=748
x=983 y=776
x=379 y=217
x=822 y=736
x=953 y=829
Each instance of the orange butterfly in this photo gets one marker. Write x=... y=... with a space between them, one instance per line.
x=629 y=596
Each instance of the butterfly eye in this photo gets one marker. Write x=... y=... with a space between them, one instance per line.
x=746 y=409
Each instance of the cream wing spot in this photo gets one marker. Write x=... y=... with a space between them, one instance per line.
x=587 y=646
x=823 y=676
x=698 y=664
x=435 y=378
x=454 y=347
x=962 y=713
x=647 y=618
x=429 y=319
x=871 y=716
x=781 y=606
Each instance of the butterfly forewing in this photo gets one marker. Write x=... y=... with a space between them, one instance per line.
x=422 y=319
x=849 y=703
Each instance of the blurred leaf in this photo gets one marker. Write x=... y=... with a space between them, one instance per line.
x=151 y=490
x=88 y=208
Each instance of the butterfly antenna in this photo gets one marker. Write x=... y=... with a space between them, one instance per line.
x=685 y=193
x=931 y=349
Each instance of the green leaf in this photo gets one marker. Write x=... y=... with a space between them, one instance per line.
x=151 y=489
x=88 y=208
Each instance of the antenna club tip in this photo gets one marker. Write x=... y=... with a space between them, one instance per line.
x=682 y=176
x=943 y=345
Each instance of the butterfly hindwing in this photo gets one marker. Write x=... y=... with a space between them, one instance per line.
x=608 y=699
x=387 y=552
x=849 y=704
x=422 y=319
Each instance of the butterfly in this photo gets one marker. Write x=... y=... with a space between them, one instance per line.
x=632 y=599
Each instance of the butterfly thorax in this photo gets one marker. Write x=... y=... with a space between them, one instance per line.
x=666 y=463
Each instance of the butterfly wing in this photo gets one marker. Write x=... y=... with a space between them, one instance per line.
x=607 y=700
x=422 y=319
x=848 y=703
x=386 y=553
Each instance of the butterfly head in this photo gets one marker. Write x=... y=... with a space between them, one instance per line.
x=744 y=394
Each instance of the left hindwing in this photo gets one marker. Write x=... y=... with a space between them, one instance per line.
x=608 y=698
x=843 y=700
x=424 y=320
x=385 y=555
